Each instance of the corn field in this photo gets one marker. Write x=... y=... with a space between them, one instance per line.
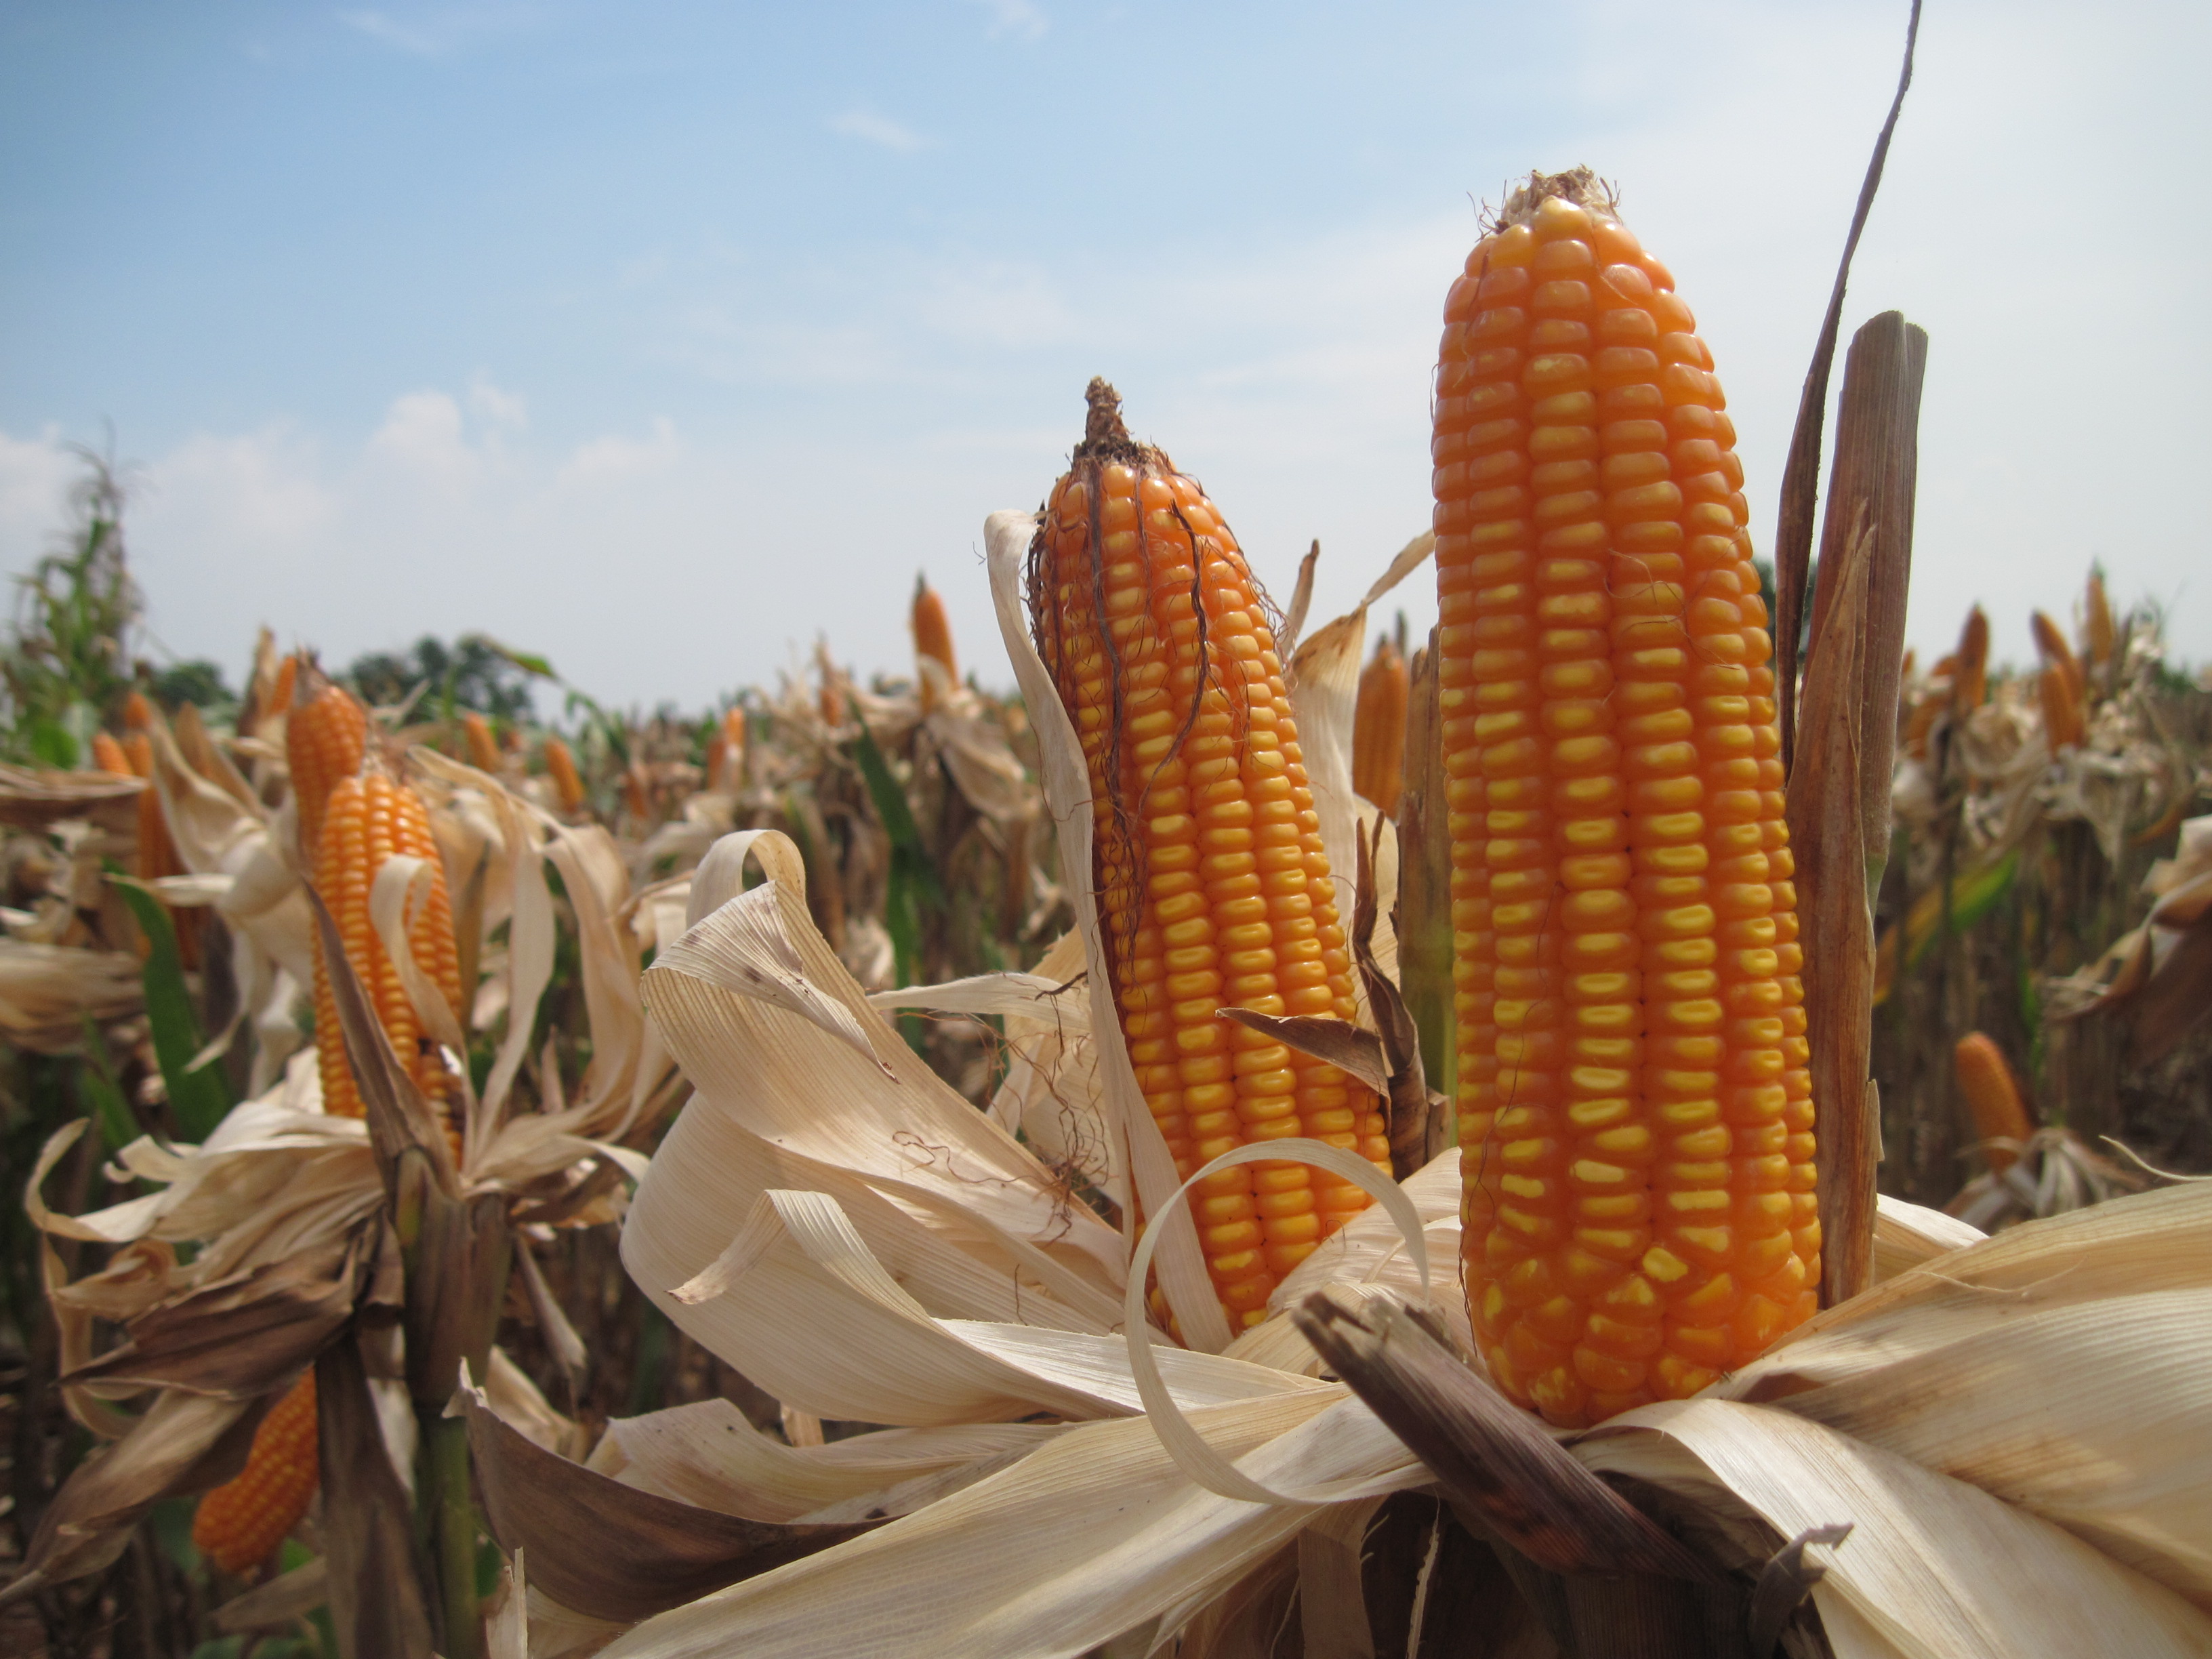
x=976 y=1160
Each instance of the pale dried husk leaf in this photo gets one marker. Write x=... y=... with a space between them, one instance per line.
x=1091 y=1535
x=1934 y=1567
x=1065 y=782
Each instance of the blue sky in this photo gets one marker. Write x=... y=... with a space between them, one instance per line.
x=661 y=337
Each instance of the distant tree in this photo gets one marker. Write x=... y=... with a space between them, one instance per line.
x=470 y=673
x=198 y=681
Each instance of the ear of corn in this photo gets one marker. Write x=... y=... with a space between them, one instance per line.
x=734 y=752
x=239 y=1524
x=1212 y=887
x=932 y=640
x=483 y=753
x=560 y=766
x=107 y=756
x=325 y=740
x=1993 y=1096
x=1969 y=680
x=1378 y=729
x=2099 y=632
x=1635 y=1107
x=370 y=818
x=157 y=849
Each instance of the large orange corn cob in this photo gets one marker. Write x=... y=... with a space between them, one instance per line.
x=239 y=1524
x=560 y=766
x=1378 y=728
x=933 y=639
x=1212 y=887
x=1993 y=1096
x=1634 y=1103
x=483 y=753
x=370 y=818
x=324 y=739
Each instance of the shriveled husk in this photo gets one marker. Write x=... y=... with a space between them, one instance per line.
x=837 y=1218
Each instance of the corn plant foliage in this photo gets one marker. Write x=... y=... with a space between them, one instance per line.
x=865 y=1244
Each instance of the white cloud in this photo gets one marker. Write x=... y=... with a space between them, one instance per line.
x=439 y=32
x=1019 y=18
x=489 y=402
x=874 y=129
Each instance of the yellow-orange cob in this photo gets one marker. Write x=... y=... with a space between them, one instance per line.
x=370 y=817
x=325 y=738
x=483 y=753
x=157 y=850
x=2099 y=631
x=1212 y=887
x=2062 y=708
x=1970 y=682
x=239 y=1524
x=560 y=766
x=107 y=756
x=2051 y=644
x=733 y=758
x=1378 y=728
x=1993 y=1096
x=1635 y=1104
x=932 y=640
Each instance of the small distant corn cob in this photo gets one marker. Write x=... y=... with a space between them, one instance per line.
x=370 y=818
x=1993 y=1096
x=1970 y=681
x=2051 y=644
x=635 y=795
x=560 y=766
x=1635 y=1103
x=933 y=639
x=1212 y=887
x=324 y=739
x=725 y=753
x=2062 y=711
x=1378 y=728
x=239 y=1524
x=2099 y=632
x=107 y=756
x=483 y=753
x=157 y=849
x=2060 y=688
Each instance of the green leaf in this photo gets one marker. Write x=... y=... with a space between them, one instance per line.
x=50 y=742
x=104 y=1095
x=199 y=1098
x=528 y=662
x=912 y=884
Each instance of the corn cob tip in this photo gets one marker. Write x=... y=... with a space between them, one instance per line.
x=1105 y=434
x=1577 y=187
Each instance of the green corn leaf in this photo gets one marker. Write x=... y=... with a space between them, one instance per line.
x=200 y=1098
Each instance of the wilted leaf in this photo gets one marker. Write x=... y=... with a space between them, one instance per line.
x=609 y=1550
